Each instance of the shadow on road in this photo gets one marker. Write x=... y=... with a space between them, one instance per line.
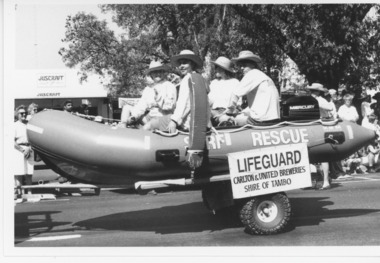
x=314 y=210
x=186 y=218
x=30 y=224
x=192 y=217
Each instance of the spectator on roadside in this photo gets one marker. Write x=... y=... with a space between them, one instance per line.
x=339 y=97
x=262 y=94
x=355 y=164
x=347 y=111
x=23 y=154
x=157 y=100
x=373 y=155
x=325 y=108
x=366 y=110
x=68 y=106
x=334 y=113
x=371 y=91
x=221 y=89
x=325 y=111
x=32 y=109
x=376 y=106
x=84 y=111
x=359 y=97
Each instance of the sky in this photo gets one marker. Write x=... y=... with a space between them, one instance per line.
x=40 y=29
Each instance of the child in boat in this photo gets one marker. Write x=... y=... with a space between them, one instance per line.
x=158 y=99
x=187 y=63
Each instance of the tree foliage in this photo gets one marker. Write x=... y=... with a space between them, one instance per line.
x=331 y=44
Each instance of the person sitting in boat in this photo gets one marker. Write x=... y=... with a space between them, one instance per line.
x=262 y=94
x=158 y=99
x=187 y=63
x=221 y=90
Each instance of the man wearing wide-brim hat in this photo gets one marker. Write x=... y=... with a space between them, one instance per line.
x=157 y=99
x=221 y=90
x=325 y=108
x=187 y=63
x=262 y=94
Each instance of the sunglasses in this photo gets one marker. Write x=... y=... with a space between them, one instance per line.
x=22 y=113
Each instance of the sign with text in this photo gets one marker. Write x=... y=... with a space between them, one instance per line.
x=269 y=170
x=51 y=80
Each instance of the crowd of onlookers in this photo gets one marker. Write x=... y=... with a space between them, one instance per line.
x=362 y=106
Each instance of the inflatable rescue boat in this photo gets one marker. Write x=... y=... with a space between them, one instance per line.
x=95 y=153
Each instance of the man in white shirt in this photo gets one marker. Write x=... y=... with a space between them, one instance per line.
x=325 y=108
x=262 y=94
x=325 y=111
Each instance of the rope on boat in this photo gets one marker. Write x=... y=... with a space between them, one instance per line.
x=249 y=126
x=93 y=117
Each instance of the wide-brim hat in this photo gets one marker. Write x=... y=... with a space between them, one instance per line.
x=224 y=63
x=316 y=86
x=187 y=54
x=156 y=66
x=247 y=55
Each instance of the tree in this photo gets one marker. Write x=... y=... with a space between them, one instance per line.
x=326 y=41
x=331 y=44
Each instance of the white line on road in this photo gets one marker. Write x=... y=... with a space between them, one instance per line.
x=363 y=179
x=39 y=239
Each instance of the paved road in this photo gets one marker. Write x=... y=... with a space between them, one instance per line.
x=346 y=215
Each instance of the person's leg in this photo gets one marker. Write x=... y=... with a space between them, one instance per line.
x=18 y=184
x=325 y=170
x=371 y=160
x=28 y=181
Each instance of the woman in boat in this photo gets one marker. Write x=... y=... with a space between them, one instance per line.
x=158 y=99
x=221 y=89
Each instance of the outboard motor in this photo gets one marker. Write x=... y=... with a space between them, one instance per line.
x=300 y=108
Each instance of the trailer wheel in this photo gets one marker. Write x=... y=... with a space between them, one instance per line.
x=266 y=215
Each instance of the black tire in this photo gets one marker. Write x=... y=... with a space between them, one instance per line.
x=266 y=215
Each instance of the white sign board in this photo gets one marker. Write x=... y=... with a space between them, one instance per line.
x=269 y=170
x=63 y=83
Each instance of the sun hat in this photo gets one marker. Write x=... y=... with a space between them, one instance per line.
x=348 y=96
x=156 y=66
x=247 y=55
x=316 y=86
x=187 y=54
x=332 y=92
x=224 y=63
